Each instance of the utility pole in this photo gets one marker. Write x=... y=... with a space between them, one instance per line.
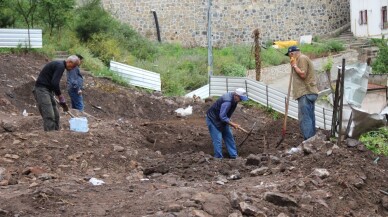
x=256 y=37
x=209 y=40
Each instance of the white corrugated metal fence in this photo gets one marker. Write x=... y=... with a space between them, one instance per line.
x=13 y=38
x=261 y=93
x=136 y=76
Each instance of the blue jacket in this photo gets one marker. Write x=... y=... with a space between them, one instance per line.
x=221 y=111
x=75 y=81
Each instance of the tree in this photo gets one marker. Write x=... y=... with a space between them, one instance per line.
x=55 y=13
x=27 y=9
x=92 y=19
x=6 y=14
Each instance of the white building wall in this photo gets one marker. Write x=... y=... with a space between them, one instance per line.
x=373 y=27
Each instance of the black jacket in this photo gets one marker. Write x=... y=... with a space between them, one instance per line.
x=51 y=75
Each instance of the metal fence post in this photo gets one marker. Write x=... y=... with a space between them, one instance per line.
x=266 y=92
x=246 y=87
x=324 y=118
x=210 y=84
x=227 y=85
x=341 y=103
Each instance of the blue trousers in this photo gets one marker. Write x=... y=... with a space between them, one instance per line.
x=76 y=99
x=217 y=137
x=306 y=115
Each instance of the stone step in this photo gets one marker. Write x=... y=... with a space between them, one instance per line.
x=348 y=35
x=60 y=55
x=358 y=46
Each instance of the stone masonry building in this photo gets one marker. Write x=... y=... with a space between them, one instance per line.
x=233 y=21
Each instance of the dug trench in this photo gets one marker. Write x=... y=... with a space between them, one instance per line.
x=155 y=163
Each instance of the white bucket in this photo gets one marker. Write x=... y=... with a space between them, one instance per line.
x=79 y=124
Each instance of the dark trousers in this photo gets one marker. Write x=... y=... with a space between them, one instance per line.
x=47 y=108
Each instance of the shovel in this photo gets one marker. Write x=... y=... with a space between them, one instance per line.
x=248 y=133
x=280 y=140
x=65 y=109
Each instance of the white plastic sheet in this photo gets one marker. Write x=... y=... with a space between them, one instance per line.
x=362 y=122
x=95 y=181
x=356 y=83
x=184 y=111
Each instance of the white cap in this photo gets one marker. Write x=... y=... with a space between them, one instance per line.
x=242 y=93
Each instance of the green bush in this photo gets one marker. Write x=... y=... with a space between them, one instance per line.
x=244 y=56
x=6 y=17
x=188 y=72
x=323 y=48
x=105 y=48
x=315 y=50
x=380 y=64
x=334 y=46
x=64 y=41
x=234 y=69
x=92 y=19
x=134 y=43
x=376 y=141
x=172 y=84
x=273 y=57
x=89 y=62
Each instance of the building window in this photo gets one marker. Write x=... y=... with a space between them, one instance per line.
x=363 y=17
x=384 y=19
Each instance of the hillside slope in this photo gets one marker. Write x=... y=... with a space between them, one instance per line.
x=154 y=163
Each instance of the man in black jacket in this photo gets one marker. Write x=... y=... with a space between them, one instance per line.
x=47 y=85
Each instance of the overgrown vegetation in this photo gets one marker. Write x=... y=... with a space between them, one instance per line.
x=376 y=141
x=95 y=34
x=269 y=110
x=380 y=64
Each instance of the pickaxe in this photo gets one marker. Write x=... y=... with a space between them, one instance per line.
x=247 y=132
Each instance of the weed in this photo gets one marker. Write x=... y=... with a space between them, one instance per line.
x=376 y=141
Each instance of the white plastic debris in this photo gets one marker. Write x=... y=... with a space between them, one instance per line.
x=25 y=114
x=184 y=112
x=294 y=150
x=95 y=181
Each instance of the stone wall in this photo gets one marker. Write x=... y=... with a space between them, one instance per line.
x=185 y=21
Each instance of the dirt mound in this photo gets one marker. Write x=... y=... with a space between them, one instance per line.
x=155 y=163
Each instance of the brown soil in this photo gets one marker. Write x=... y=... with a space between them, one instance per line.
x=154 y=163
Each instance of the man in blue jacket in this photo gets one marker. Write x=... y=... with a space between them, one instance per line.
x=47 y=87
x=75 y=83
x=218 y=121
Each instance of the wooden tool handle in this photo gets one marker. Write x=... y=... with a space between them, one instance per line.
x=242 y=129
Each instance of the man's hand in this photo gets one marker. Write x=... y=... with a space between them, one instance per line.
x=61 y=99
x=62 y=103
x=293 y=62
x=79 y=92
x=234 y=125
x=64 y=107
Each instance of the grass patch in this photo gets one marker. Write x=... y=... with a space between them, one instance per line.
x=269 y=110
x=376 y=141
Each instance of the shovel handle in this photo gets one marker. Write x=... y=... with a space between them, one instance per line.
x=286 y=106
x=242 y=129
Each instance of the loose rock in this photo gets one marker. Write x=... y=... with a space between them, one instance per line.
x=200 y=213
x=280 y=199
x=250 y=210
